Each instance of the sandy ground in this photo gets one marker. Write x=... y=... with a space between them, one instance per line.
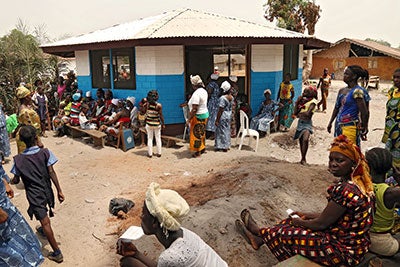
x=217 y=186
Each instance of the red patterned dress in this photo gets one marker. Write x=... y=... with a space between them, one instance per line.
x=344 y=243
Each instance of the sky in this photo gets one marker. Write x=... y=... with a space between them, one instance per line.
x=359 y=19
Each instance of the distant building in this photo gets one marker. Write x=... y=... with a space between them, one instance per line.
x=161 y=52
x=378 y=59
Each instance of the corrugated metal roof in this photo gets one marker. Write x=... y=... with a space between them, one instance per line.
x=181 y=23
x=390 y=51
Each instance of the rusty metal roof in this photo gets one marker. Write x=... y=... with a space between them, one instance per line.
x=387 y=50
x=184 y=23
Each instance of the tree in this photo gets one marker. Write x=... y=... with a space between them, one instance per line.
x=21 y=59
x=380 y=41
x=295 y=15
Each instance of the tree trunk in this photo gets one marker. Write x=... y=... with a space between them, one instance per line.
x=308 y=66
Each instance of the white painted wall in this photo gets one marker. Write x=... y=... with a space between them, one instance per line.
x=159 y=60
x=82 y=63
x=301 y=51
x=266 y=58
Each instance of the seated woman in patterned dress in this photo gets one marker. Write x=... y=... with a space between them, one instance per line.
x=339 y=234
x=266 y=113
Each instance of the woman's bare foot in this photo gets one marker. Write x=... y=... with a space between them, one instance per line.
x=255 y=241
x=249 y=222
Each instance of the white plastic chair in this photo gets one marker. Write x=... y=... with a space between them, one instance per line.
x=246 y=131
x=185 y=110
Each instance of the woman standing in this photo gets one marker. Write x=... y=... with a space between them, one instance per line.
x=339 y=234
x=213 y=91
x=198 y=116
x=27 y=116
x=285 y=96
x=223 y=120
x=19 y=246
x=336 y=110
x=154 y=122
x=354 y=116
x=266 y=114
x=390 y=138
x=5 y=149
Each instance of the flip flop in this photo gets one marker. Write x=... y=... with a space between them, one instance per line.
x=244 y=215
x=241 y=228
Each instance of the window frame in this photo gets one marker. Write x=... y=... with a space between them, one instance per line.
x=99 y=80
x=291 y=60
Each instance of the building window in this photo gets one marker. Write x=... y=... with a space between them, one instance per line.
x=122 y=68
x=339 y=64
x=291 y=60
x=372 y=63
x=230 y=64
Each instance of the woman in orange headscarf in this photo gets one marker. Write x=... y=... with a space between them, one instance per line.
x=339 y=234
x=27 y=116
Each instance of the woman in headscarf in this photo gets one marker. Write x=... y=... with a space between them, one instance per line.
x=337 y=236
x=198 y=116
x=5 y=149
x=223 y=120
x=27 y=116
x=162 y=213
x=213 y=91
x=265 y=114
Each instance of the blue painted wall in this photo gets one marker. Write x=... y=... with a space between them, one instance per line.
x=271 y=80
x=170 y=88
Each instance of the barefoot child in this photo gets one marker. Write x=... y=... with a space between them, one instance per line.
x=304 y=110
x=35 y=167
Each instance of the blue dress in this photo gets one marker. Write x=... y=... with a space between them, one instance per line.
x=4 y=140
x=19 y=246
x=212 y=105
x=223 y=131
x=266 y=114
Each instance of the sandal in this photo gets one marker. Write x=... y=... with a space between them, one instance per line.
x=247 y=235
x=245 y=215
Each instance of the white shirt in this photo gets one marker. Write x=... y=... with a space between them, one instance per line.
x=190 y=251
x=199 y=97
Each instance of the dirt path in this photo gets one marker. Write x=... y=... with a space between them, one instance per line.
x=217 y=186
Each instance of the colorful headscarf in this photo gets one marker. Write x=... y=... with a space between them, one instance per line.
x=22 y=92
x=360 y=175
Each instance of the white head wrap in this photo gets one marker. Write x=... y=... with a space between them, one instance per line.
x=225 y=86
x=214 y=76
x=88 y=94
x=131 y=99
x=114 y=101
x=267 y=91
x=196 y=80
x=233 y=78
x=167 y=206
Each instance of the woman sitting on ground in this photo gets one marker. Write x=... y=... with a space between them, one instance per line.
x=266 y=114
x=387 y=199
x=339 y=234
x=162 y=213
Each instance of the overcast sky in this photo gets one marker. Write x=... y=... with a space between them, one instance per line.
x=377 y=19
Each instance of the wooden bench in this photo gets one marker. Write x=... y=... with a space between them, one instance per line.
x=170 y=140
x=97 y=136
x=373 y=82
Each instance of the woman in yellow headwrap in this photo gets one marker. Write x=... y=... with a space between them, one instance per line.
x=26 y=116
x=339 y=234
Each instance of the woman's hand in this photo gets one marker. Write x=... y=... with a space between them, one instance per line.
x=9 y=190
x=3 y=216
x=126 y=248
x=60 y=197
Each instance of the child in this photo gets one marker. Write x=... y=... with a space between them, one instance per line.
x=84 y=122
x=304 y=109
x=40 y=101
x=142 y=120
x=35 y=167
x=154 y=122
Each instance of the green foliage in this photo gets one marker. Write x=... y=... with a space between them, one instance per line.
x=380 y=41
x=294 y=15
x=22 y=60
